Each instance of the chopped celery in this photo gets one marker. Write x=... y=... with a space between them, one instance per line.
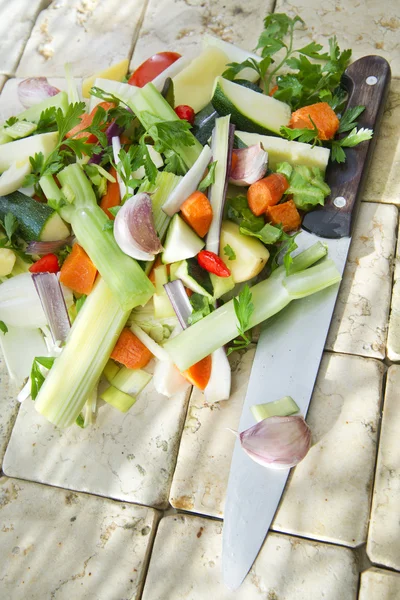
x=280 y=408
x=125 y=278
x=131 y=381
x=20 y=129
x=110 y=370
x=118 y=399
x=33 y=113
x=51 y=190
x=154 y=348
x=268 y=297
x=86 y=352
x=73 y=95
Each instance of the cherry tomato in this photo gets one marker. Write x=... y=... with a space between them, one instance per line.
x=152 y=67
x=213 y=263
x=185 y=112
x=47 y=264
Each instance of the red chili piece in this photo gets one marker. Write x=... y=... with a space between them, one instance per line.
x=212 y=263
x=185 y=112
x=46 y=264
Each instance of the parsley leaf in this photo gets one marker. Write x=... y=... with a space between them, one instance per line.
x=229 y=252
x=268 y=234
x=10 y=122
x=240 y=213
x=201 y=308
x=3 y=327
x=354 y=138
x=37 y=377
x=209 y=178
x=10 y=225
x=47 y=121
x=349 y=119
x=305 y=134
x=80 y=302
x=244 y=308
x=149 y=167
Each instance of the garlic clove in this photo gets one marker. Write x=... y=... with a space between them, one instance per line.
x=250 y=165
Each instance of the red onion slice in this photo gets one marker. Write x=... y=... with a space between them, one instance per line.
x=33 y=90
x=113 y=130
x=134 y=229
x=48 y=247
x=251 y=165
x=49 y=290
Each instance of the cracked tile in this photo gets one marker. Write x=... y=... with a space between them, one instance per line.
x=179 y=25
x=383 y=545
x=91 y=35
x=377 y=583
x=281 y=571
x=40 y=527
x=359 y=322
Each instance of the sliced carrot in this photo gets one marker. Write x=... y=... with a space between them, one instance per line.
x=266 y=192
x=197 y=212
x=78 y=272
x=199 y=373
x=112 y=197
x=86 y=121
x=324 y=117
x=130 y=351
x=285 y=214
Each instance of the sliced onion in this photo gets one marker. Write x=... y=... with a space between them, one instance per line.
x=134 y=229
x=33 y=90
x=179 y=300
x=218 y=387
x=20 y=345
x=167 y=380
x=250 y=166
x=52 y=299
x=48 y=247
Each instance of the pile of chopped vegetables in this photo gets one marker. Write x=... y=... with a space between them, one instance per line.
x=148 y=225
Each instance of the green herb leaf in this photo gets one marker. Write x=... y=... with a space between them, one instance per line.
x=307 y=185
x=268 y=234
x=306 y=135
x=80 y=302
x=354 y=138
x=349 y=119
x=229 y=252
x=10 y=122
x=3 y=327
x=201 y=308
x=244 y=308
x=79 y=419
x=37 y=377
x=108 y=225
x=47 y=121
x=209 y=178
x=149 y=167
x=240 y=213
x=10 y=225
x=114 y=210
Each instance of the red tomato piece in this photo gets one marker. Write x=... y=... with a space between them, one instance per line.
x=152 y=67
x=47 y=264
x=213 y=263
x=185 y=112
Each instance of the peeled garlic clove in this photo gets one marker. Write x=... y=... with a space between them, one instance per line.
x=250 y=165
x=34 y=90
x=277 y=442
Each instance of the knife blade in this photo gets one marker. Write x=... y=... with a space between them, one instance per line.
x=290 y=347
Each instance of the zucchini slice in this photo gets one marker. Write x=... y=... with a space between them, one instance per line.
x=195 y=278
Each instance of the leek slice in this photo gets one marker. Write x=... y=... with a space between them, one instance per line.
x=284 y=407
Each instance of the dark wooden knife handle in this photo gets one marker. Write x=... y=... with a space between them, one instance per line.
x=367 y=83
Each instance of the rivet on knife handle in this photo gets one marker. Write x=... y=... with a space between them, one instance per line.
x=367 y=82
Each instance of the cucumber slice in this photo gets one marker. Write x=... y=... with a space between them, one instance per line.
x=195 y=278
x=280 y=150
x=36 y=221
x=221 y=285
x=20 y=150
x=250 y=110
x=251 y=254
x=131 y=381
x=181 y=242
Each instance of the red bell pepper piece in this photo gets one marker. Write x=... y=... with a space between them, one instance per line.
x=212 y=263
x=47 y=264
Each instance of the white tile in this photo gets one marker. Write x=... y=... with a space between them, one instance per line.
x=328 y=494
x=3 y=79
x=180 y=24
x=58 y=544
x=379 y=584
x=368 y=27
x=89 y=34
x=128 y=457
x=359 y=323
x=17 y=20
x=393 y=339
x=287 y=568
x=8 y=408
x=205 y=452
x=384 y=532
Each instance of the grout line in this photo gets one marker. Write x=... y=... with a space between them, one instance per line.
x=138 y=30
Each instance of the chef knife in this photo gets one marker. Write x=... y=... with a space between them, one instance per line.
x=291 y=343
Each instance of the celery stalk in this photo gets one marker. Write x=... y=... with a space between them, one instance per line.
x=165 y=183
x=88 y=347
x=50 y=189
x=268 y=297
x=125 y=278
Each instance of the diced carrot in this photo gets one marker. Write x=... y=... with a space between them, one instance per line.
x=189 y=292
x=125 y=139
x=112 y=197
x=78 y=272
x=233 y=161
x=285 y=214
x=199 y=373
x=273 y=90
x=324 y=117
x=86 y=121
x=266 y=192
x=197 y=212
x=130 y=351
x=156 y=264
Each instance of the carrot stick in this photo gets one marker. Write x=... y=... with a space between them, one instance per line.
x=78 y=272
x=112 y=197
x=199 y=373
x=86 y=120
x=322 y=115
x=197 y=212
x=130 y=351
x=266 y=192
x=285 y=214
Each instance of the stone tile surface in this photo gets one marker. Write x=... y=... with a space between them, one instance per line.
x=17 y=20
x=205 y=452
x=89 y=34
x=282 y=570
x=3 y=79
x=8 y=408
x=377 y=583
x=384 y=532
x=328 y=493
x=62 y=545
x=359 y=323
x=128 y=457
x=368 y=27
x=178 y=25
x=393 y=339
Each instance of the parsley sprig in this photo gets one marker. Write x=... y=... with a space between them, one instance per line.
x=349 y=123
x=244 y=308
